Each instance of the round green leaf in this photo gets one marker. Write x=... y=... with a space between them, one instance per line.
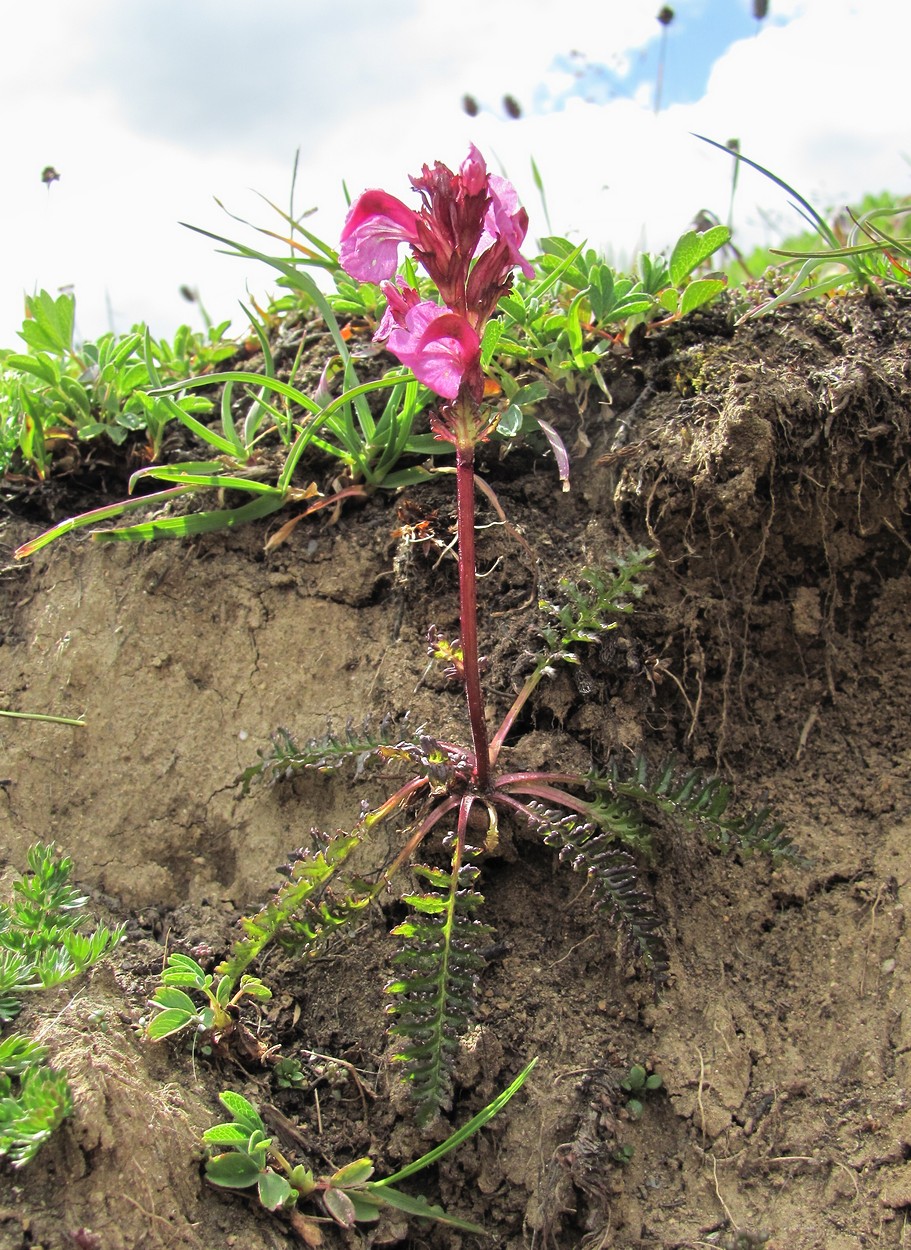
x=274 y=1190
x=233 y=1171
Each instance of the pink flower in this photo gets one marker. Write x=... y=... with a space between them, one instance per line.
x=437 y=345
x=507 y=222
x=374 y=228
x=400 y=298
x=466 y=233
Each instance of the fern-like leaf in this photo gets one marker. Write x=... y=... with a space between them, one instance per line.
x=302 y=914
x=285 y=756
x=698 y=801
x=614 y=877
x=437 y=969
x=591 y=606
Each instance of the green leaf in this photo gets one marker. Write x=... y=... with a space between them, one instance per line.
x=233 y=1171
x=492 y=334
x=421 y=1208
x=195 y=523
x=692 y=249
x=254 y=988
x=636 y=1078
x=167 y=1023
x=274 y=1191
x=49 y=326
x=225 y=1135
x=95 y=515
x=301 y=1178
x=366 y=1206
x=170 y=997
x=243 y=1111
x=459 y=1136
x=510 y=423
x=340 y=1207
x=18 y=1053
x=355 y=1173
x=700 y=292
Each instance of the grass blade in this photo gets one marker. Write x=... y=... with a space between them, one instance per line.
x=460 y=1135
x=97 y=514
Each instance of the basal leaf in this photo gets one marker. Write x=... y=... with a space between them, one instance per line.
x=340 y=1207
x=233 y=1171
x=274 y=1190
x=700 y=292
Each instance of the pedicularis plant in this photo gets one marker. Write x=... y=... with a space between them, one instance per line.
x=466 y=233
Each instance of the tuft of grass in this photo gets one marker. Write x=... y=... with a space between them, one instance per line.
x=868 y=248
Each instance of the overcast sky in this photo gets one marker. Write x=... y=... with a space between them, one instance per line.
x=149 y=109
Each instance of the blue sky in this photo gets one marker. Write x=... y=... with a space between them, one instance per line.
x=700 y=32
x=152 y=109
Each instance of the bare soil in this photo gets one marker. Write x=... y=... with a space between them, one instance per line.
x=768 y=466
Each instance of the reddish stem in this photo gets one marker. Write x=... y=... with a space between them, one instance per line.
x=547 y=794
x=468 y=610
x=531 y=682
x=514 y=781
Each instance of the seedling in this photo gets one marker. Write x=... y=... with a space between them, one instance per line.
x=176 y=1010
x=57 y=392
x=246 y=1155
x=638 y=1083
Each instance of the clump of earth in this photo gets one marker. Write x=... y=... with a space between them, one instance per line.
x=767 y=465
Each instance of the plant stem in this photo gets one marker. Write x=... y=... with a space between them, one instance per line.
x=468 y=610
x=520 y=700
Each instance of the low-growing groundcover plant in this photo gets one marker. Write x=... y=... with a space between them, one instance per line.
x=466 y=234
x=242 y=1154
x=55 y=394
x=41 y=945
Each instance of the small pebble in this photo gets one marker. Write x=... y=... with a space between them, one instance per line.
x=888 y=965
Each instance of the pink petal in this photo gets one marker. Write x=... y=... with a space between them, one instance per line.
x=473 y=172
x=507 y=221
x=374 y=228
x=437 y=345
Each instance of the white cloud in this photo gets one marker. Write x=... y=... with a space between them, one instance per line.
x=818 y=100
